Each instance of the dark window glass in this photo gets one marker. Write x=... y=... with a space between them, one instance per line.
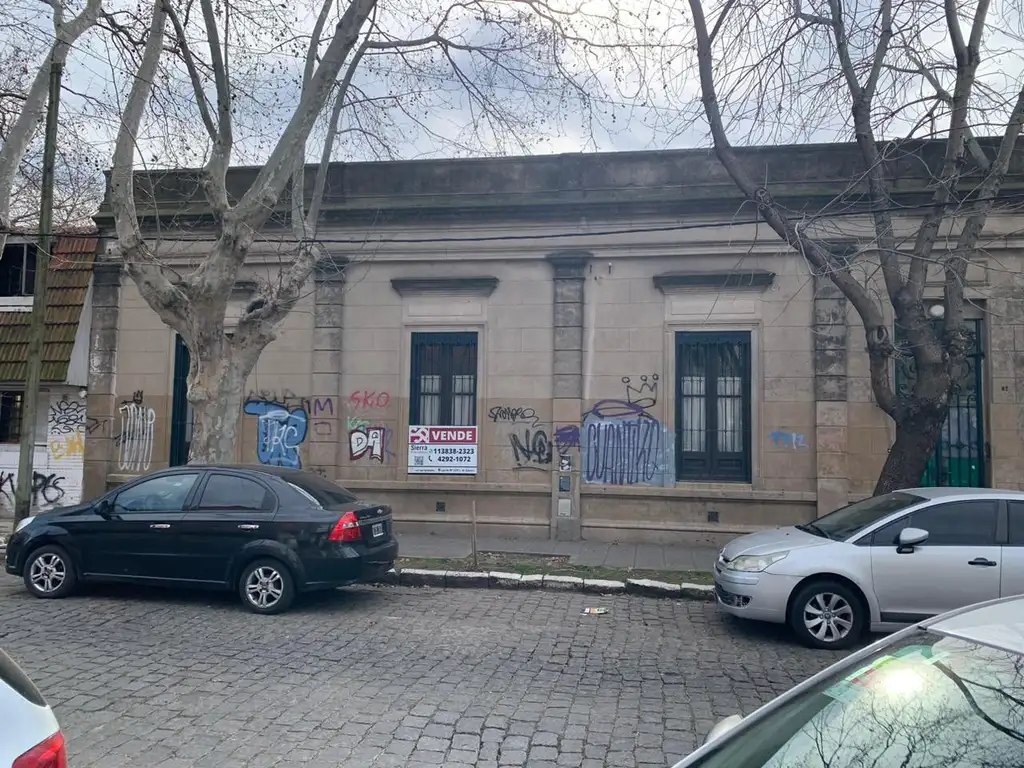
x=954 y=524
x=1016 y=523
x=326 y=493
x=443 y=385
x=161 y=494
x=10 y=417
x=233 y=492
x=18 y=270
x=713 y=406
x=888 y=535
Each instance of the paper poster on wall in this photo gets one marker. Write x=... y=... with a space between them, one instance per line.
x=442 y=450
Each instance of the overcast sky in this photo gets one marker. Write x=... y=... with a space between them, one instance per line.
x=640 y=95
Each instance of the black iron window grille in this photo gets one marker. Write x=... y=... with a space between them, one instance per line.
x=713 y=406
x=443 y=387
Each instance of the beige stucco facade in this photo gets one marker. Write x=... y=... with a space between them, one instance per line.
x=578 y=331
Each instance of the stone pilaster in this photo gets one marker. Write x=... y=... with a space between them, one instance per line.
x=830 y=395
x=567 y=403
x=102 y=420
x=327 y=438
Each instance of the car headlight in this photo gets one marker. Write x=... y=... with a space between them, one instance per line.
x=24 y=522
x=756 y=563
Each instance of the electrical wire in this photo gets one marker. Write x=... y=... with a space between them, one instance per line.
x=200 y=238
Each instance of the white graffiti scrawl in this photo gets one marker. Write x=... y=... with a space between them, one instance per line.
x=137 y=426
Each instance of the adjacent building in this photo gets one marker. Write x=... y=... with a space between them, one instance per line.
x=61 y=424
x=605 y=346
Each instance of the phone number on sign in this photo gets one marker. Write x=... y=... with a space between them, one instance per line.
x=461 y=451
x=449 y=458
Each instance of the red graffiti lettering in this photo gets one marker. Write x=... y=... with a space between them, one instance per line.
x=364 y=398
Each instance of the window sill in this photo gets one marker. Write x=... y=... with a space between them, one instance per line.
x=16 y=303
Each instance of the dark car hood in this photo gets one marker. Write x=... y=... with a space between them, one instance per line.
x=58 y=513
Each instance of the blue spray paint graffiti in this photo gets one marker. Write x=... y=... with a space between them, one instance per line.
x=280 y=432
x=792 y=440
x=621 y=444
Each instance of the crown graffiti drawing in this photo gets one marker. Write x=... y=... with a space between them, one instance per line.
x=646 y=394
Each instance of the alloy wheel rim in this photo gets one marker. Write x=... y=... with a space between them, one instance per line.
x=828 y=617
x=48 y=572
x=264 y=587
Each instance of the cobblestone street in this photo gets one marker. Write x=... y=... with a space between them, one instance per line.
x=391 y=676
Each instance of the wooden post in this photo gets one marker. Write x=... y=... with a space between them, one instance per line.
x=473 y=537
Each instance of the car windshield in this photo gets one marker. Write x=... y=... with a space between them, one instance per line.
x=846 y=521
x=926 y=701
x=326 y=493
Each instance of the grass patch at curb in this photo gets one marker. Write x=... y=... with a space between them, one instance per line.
x=526 y=565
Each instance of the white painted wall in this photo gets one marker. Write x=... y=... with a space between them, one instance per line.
x=57 y=461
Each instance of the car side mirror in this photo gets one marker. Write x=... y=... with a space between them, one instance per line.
x=910 y=538
x=103 y=508
x=723 y=726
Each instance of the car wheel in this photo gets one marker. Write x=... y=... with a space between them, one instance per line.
x=49 y=572
x=828 y=614
x=267 y=587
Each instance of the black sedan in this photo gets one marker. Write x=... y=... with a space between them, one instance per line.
x=268 y=532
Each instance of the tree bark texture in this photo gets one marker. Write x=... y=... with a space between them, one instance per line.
x=911 y=450
x=216 y=387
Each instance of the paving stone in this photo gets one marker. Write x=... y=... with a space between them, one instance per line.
x=391 y=676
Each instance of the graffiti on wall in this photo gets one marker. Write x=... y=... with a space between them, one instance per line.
x=791 y=440
x=621 y=443
x=367 y=438
x=57 y=478
x=366 y=441
x=46 y=488
x=567 y=437
x=322 y=415
x=513 y=414
x=65 y=428
x=531 y=449
x=280 y=431
x=641 y=391
x=365 y=399
x=138 y=427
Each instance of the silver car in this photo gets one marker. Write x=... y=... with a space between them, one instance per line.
x=29 y=734
x=948 y=693
x=878 y=564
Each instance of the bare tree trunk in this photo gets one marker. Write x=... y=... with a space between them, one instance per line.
x=916 y=437
x=216 y=385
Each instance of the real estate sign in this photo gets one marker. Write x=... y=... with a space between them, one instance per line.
x=442 y=450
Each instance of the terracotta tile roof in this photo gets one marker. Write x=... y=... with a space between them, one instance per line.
x=66 y=286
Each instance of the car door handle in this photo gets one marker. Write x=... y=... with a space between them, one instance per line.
x=248 y=527
x=982 y=561
x=159 y=525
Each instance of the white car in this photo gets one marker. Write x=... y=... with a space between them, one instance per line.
x=878 y=564
x=29 y=734
x=943 y=694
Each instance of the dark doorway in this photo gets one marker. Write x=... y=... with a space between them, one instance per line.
x=181 y=409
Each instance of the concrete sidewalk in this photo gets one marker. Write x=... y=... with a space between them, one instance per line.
x=651 y=557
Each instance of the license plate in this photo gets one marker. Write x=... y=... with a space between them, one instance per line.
x=377 y=530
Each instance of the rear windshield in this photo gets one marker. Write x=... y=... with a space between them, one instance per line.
x=11 y=674
x=326 y=493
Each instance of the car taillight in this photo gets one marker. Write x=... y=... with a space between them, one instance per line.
x=346 y=529
x=49 y=754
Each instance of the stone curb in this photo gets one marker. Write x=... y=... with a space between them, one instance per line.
x=420 y=577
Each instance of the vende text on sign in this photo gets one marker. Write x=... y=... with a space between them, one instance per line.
x=442 y=450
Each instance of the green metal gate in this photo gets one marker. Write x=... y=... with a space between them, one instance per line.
x=959 y=458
